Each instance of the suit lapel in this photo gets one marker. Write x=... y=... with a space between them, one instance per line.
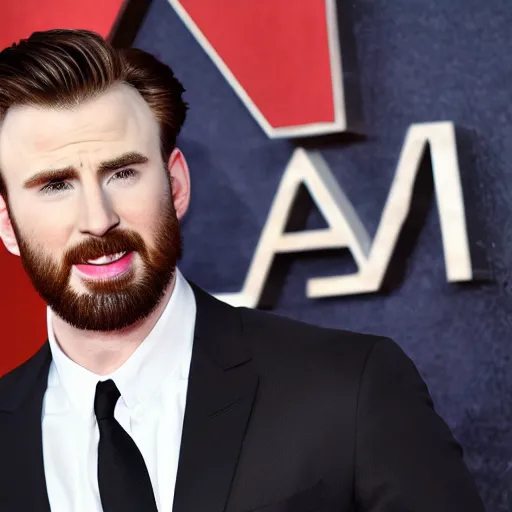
x=22 y=469
x=221 y=392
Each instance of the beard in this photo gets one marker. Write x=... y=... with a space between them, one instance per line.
x=114 y=304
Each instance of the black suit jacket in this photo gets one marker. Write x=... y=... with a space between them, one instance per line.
x=280 y=417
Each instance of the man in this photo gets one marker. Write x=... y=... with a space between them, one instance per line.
x=150 y=394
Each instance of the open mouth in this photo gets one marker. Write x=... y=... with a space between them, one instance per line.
x=104 y=260
x=106 y=267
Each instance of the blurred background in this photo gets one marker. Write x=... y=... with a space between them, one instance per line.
x=261 y=82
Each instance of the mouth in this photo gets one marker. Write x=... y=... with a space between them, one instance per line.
x=108 y=266
x=107 y=259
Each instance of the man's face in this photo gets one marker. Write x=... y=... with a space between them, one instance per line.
x=91 y=206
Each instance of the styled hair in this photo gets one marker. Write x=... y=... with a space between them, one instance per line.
x=62 y=68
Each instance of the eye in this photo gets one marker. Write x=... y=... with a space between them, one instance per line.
x=53 y=187
x=124 y=174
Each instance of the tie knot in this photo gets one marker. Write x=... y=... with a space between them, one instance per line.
x=105 y=399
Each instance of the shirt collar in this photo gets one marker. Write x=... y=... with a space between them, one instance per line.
x=164 y=354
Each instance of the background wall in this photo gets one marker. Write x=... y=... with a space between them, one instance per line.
x=419 y=61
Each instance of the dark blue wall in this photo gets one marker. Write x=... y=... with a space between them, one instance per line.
x=420 y=61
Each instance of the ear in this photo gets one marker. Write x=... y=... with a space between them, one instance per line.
x=6 y=229
x=180 y=181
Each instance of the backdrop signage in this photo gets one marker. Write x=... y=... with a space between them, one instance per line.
x=295 y=67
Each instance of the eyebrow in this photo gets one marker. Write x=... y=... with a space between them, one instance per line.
x=68 y=173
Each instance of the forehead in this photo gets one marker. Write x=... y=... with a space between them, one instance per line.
x=118 y=120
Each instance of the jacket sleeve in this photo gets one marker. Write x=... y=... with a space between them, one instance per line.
x=406 y=458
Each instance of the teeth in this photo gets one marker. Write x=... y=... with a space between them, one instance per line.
x=107 y=259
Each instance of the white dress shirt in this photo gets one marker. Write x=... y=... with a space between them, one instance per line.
x=153 y=386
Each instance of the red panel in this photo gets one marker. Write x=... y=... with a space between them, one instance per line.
x=19 y=18
x=277 y=49
x=22 y=312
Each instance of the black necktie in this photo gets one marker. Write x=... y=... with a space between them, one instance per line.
x=122 y=474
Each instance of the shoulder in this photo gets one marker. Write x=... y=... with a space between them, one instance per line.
x=280 y=344
x=15 y=384
x=274 y=332
x=297 y=349
x=331 y=375
x=15 y=374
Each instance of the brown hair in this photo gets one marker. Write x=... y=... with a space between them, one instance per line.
x=61 y=68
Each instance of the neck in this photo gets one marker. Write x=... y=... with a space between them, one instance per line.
x=104 y=352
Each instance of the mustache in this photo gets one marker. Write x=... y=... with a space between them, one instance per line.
x=111 y=243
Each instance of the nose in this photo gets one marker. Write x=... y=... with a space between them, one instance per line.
x=97 y=216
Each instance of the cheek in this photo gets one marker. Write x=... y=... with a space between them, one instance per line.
x=145 y=209
x=144 y=218
x=50 y=241
x=45 y=230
